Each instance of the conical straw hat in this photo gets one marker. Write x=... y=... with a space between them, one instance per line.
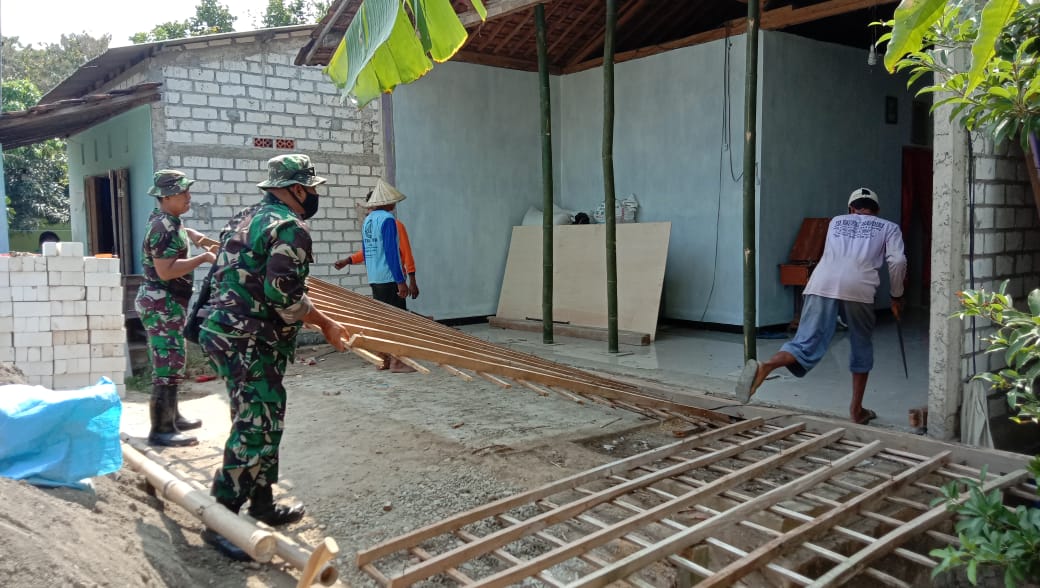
x=383 y=194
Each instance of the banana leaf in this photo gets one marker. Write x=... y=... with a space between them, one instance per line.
x=383 y=48
x=995 y=16
x=912 y=19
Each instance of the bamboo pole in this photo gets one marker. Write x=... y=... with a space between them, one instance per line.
x=296 y=555
x=259 y=544
x=750 y=129
x=547 y=176
x=608 y=175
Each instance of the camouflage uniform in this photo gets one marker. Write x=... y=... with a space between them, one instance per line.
x=161 y=303
x=251 y=321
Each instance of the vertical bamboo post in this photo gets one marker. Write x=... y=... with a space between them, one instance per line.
x=750 y=125
x=608 y=175
x=547 y=176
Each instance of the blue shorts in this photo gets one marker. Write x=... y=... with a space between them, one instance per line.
x=816 y=328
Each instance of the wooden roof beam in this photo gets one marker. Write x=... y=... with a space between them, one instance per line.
x=780 y=18
x=630 y=10
x=498 y=8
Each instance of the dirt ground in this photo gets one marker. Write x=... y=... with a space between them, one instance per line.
x=371 y=454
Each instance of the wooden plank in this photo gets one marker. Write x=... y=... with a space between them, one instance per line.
x=577 y=331
x=496 y=9
x=495 y=380
x=457 y=372
x=414 y=365
x=654 y=514
x=505 y=504
x=886 y=543
x=819 y=525
x=788 y=16
x=577 y=266
x=700 y=531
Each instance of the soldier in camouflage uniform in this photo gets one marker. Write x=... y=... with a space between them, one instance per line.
x=258 y=302
x=162 y=300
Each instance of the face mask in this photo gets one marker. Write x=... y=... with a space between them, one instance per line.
x=310 y=206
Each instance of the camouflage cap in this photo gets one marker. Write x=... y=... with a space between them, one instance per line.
x=286 y=170
x=169 y=182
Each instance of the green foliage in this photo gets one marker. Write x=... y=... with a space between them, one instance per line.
x=991 y=534
x=35 y=176
x=998 y=92
x=47 y=64
x=284 y=13
x=1017 y=336
x=211 y=17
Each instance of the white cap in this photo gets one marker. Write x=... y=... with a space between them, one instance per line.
x=863 y=193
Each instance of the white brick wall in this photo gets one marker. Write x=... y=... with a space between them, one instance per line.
x=54 y=331
x=216 y=100
x=1007 y=236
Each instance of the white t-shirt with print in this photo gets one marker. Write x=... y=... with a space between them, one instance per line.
x=857 y=245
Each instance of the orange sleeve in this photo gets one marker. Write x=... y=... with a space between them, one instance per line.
x=358 y=257
x=406 y=249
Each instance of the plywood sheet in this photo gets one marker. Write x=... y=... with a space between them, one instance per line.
x=580 y=275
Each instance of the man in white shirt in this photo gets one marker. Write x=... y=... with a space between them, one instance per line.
x=857 y=244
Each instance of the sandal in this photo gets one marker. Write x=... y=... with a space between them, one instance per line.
x=866 y=415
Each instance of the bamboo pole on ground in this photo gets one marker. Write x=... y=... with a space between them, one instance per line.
x=750 y=130
x=608 y=176
x=547 y=176
x=259 y=544
x=296 y=555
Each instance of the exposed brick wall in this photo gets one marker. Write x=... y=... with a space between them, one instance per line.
x=220 y=95
x=1006 y=239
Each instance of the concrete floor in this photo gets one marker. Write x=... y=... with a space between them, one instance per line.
x=710 y=361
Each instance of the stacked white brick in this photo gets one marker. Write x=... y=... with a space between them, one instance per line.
x=61 y=317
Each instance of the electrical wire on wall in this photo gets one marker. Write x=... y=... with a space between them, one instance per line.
x=724 y=148
x=971 y=247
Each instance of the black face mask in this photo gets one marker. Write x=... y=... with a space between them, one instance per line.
x=310 y=205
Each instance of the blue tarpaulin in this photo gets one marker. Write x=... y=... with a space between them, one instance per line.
x=58 y=438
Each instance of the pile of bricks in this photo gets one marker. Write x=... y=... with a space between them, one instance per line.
x=61 y=317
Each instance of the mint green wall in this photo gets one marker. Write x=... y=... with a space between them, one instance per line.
x=124 y=141
x=668 y=151
x=823 y=135
x=469 y=160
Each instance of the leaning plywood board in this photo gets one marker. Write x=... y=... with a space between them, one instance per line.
x=580 y=275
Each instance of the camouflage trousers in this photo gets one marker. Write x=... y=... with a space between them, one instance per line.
x=163 y=319
x=252 y=370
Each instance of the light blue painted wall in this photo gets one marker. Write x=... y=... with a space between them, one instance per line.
x=669 y=118
x=469 y=160
x=823 y=135
x=124 y=141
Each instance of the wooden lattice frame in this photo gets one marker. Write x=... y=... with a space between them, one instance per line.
x=628 y=520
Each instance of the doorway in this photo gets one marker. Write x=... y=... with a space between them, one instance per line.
x=108 y=216
x=916 y=223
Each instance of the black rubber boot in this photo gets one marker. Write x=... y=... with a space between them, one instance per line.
x=164 y=432
x=263 y=508
x=183 y=423
x=225 y=547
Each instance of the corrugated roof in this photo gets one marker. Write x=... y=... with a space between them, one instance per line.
x=68 y=117
x=106 y=67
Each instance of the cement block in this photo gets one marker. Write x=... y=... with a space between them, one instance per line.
x=6 y=324
x=30 y=324
x=72 y=381
x=105 y=323
x=108 y=265
x=37 y=368
x=24 y=278
x=71 y=279
x=90 y=265
x=70 y=249
x=50 y=249
x=20 y=309
x=104 y=308
x=64 y=264
x=107 y=365
x=68 y=323
x=33 y=339
x=67 y=293
x=7 y=354
x=78 y=351
x=108 y=336
x=104 y=279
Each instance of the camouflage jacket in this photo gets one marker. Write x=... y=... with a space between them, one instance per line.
x=165 y=239
x=259 y=282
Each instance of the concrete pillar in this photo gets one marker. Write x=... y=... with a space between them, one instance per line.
x=949 y=222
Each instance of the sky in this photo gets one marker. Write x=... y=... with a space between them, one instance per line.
x=120 y=18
